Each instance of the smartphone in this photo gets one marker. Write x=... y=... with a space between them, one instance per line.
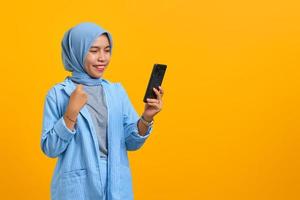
x=156 y=79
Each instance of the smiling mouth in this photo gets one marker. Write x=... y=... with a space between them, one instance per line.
x=99 y=67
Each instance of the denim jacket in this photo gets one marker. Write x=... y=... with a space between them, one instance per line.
x=77 y=172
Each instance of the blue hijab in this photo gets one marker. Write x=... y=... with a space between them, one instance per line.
x=75 y=46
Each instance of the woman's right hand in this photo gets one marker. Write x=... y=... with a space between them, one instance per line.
x=77 y=100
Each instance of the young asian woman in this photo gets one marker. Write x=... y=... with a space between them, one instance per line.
x=89 y=123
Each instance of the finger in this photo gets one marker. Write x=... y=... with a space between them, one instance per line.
x=79 y=87
x=153 y=105
x=152 y=100
x=157 y=93
x=161 y=90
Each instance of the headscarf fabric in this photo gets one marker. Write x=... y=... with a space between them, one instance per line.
x=75 y=46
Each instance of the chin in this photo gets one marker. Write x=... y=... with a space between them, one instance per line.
x=97 y=76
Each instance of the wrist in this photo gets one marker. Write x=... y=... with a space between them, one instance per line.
x=71 y=113
x=146 y=122
x=70 y=119
x=147 y=118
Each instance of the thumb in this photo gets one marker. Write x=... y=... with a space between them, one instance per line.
x=79 y=87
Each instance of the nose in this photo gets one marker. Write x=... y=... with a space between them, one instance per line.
x=101 y=56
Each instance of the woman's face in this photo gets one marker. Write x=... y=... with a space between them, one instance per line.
x=98 y=57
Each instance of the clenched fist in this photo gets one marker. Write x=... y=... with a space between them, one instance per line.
x=77 y=100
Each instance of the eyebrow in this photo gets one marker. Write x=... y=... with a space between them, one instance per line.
x=99 y=47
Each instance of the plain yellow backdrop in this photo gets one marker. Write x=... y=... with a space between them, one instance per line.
x=229 y=129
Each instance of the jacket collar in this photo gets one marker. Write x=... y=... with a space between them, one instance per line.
x=69 y=87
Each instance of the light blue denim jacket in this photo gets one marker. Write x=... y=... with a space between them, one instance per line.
x=77 y=172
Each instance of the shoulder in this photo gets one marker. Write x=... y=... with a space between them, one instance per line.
x=115 y=86
x=55 y=90
x=120 y=89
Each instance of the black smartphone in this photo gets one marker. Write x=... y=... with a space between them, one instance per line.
x=156 y=79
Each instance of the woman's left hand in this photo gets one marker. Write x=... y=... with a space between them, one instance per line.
x=153 y=106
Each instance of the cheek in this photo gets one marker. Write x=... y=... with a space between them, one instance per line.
x=108 y=56
x=90 y=59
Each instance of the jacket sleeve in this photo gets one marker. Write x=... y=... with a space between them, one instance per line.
x=133 y=139
x=55 y=134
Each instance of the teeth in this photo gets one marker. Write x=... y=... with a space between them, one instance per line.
x=97 y=67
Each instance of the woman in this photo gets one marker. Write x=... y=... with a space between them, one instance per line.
x=89 y=123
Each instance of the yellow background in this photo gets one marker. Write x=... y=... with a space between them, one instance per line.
x=229 y=129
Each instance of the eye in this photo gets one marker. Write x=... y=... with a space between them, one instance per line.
x=93 y=51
